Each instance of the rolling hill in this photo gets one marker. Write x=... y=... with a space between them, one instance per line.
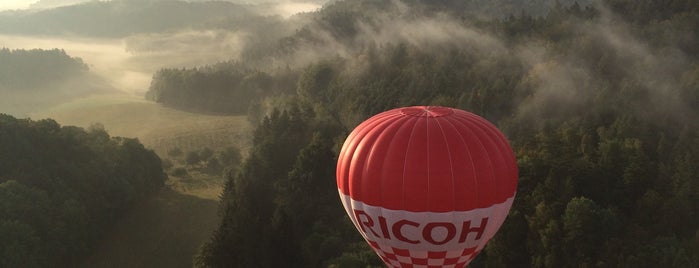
x=165 y=229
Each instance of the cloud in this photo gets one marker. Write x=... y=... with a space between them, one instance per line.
x=44 y=4
x=191 y=47
x=129 y=63
x=430 y=32
x=558 y=89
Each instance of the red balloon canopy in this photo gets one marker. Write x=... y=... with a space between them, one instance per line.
x=427 y=186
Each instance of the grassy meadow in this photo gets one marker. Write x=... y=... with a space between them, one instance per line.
x=164 y=231
x=157 y=127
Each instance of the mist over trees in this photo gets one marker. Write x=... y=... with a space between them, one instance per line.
x=222 y=88
x=62 y=187
x=126 y=41
x=599 y=99
x=35 y=78
x=121 y=18
x=599 y=102
x=30 y=69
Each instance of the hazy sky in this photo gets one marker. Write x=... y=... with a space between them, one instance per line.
x=24 y=4
x=285 y=7
x=15 y=4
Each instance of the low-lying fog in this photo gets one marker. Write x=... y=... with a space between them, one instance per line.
x=105 y=57
x=128 y=63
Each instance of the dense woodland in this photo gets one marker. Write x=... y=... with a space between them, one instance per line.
x=227 y=88
x=600 y=102
x=599 y=99
x=34 y=78
x=62 y=187
x=30 y=69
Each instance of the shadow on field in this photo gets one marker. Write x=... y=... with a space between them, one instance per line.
x=164 y=231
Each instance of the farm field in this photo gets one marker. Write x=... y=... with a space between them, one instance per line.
x=166 y=230
x=157 y=127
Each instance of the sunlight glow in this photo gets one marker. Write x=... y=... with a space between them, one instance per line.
x=15 y=4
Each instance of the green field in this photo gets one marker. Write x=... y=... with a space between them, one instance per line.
x=157 y=127
x=166 y=229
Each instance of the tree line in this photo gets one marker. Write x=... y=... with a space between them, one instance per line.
x=62 y=187
x=229 y=88
x=22 y=69
x=600 y=104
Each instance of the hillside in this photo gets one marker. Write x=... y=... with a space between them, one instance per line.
x=62 y=187
x=163 y=231
x=124 y=17
x=598 y=99
x=31 y=80
x=166 y=228
x=599 y=103
x=166 y=130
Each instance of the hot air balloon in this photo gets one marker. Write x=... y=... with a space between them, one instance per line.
x=427 y=186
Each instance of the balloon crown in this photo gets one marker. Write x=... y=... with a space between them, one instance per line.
x=427 y=111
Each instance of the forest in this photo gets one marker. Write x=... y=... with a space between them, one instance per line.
x=600 y=103
x=34 y=78
x=599 y=100
x=62 y=187
x=30 y=69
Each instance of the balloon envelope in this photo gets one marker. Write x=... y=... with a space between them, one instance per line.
x=427 y=186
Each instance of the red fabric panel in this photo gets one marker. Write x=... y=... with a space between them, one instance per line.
x=427 y=159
